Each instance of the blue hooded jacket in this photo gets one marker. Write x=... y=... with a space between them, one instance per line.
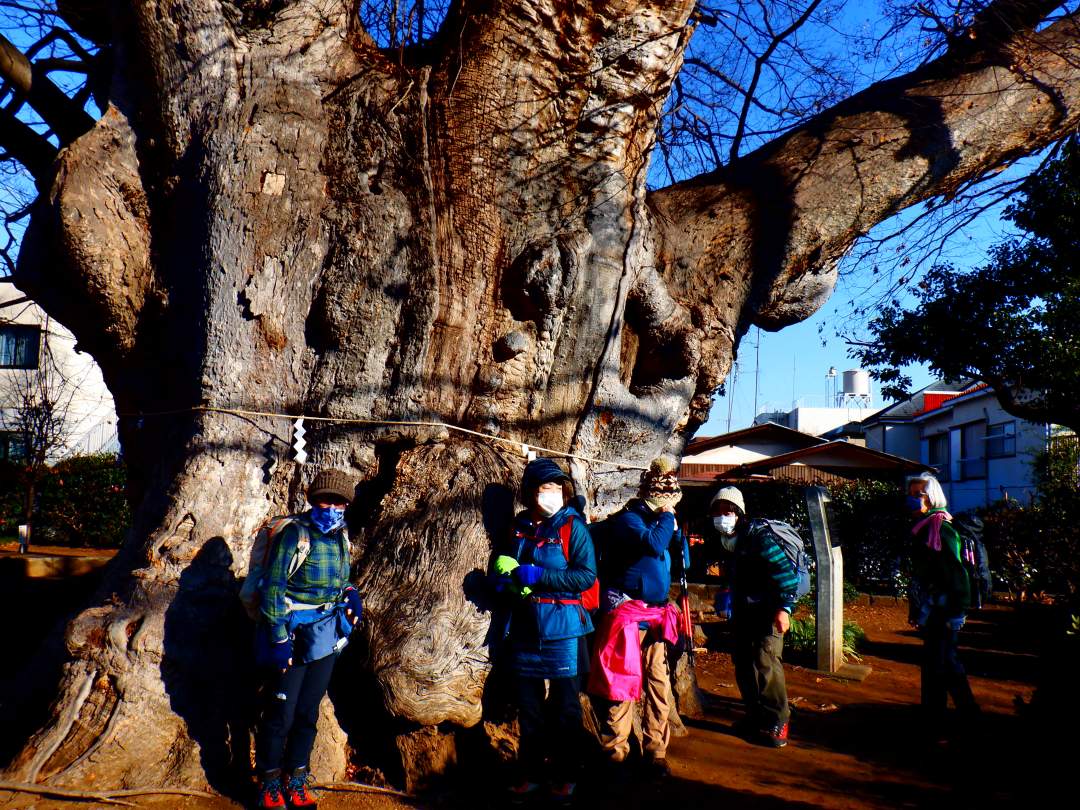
x=553 y=610
x=637 y=556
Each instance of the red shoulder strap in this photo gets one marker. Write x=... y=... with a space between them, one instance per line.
x=564 y=536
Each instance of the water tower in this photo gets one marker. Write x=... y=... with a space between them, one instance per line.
x=856 y=389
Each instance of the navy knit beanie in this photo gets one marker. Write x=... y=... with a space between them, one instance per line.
x=541 y=471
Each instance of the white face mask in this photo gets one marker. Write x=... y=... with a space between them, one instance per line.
x=725 y=524
x=549 y=503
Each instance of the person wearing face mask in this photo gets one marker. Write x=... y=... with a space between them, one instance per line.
x=942 y=589
x=764 y=585
x=544 y=578
x=630 y=656
x=306 y=615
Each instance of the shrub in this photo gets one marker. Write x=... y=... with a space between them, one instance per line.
x=1036 y=548
x=801 y=639
x=80 y=501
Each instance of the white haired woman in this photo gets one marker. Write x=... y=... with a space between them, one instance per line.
x=940 y=594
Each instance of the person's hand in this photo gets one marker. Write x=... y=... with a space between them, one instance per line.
x=281 y=654
x=782 y=622
x=527 y=575
x=504 y=564
x=354 y=606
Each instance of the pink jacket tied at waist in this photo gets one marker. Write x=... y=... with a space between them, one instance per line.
x=933 y=539
x=616 y=662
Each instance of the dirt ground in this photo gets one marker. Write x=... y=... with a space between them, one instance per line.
x=853 y=745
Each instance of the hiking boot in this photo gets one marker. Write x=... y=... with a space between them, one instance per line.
x=523 y=790
x=296 y=790
x=563 y=792
x=775 y=736
x=270 y=792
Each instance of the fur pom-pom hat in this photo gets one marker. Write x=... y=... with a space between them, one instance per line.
x=660 y=484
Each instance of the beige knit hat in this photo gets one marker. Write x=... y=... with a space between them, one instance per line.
x=335 y=483
x=660 y=484
x=731 y=495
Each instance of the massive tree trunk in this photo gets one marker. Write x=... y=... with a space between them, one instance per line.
x=274 y=216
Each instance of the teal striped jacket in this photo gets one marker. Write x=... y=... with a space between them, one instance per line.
x=763 y=573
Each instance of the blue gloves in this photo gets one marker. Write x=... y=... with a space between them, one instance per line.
x=280 y=654
x=505 y=566
x=527 y=575
x=353 y=604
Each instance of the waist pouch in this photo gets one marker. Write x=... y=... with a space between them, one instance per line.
x=318 y=633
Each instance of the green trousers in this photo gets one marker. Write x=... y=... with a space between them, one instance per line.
x=758 y=669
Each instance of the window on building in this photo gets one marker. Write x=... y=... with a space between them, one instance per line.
x=12 y=445
x=19 y=345
x=1001 y=440
x=972 y=451
x=938 y=454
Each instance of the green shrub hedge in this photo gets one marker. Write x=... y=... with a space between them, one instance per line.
x=80 y=502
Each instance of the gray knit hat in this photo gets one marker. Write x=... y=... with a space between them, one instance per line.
x=335 y=483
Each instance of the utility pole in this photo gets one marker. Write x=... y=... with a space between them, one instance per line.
x=757 y=369
x=731 y=393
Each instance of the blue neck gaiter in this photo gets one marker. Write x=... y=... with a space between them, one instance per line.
x=328 y=518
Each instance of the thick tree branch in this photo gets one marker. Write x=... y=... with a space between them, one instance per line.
x=807 y=196
x=28 y=147
x=86 y=254
x=31 y=81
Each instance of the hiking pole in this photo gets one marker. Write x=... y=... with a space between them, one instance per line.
x=684 y=601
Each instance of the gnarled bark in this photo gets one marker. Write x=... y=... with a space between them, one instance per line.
x=278 y=217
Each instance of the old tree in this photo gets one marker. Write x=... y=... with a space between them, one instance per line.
x=276 y=214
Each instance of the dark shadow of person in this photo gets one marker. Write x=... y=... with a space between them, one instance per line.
x=208 y=667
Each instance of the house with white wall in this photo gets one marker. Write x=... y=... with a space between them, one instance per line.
x=981 y=453
x=32 y=343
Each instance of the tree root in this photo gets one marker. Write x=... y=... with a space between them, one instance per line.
x=357 y=787
x=103 y=796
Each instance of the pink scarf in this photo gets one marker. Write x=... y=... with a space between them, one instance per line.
x=934 y=520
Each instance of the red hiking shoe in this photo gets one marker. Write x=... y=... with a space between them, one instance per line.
x=776 y=736
x=296 y=791
x=270 y=792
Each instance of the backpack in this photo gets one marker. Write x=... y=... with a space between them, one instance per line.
x=251 y=592
x=600 y=532
x=785 y=536
x=590 y=597
x=976 y=560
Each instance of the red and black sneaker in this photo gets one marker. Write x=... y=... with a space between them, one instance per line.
x=296 y=791
x=270 y=792
x=775 y=736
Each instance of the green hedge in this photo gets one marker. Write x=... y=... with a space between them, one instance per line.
x=80 y=502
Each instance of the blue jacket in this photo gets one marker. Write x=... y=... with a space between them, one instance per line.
x=637 y=555
x=553 y=610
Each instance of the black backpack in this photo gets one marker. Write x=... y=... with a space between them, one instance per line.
x=600 y=532
x=785 y=536
x=976 y=560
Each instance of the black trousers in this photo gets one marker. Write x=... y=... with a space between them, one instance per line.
x=549 y=727
x=759 y=672
x=942 y=672
x=290 y=715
